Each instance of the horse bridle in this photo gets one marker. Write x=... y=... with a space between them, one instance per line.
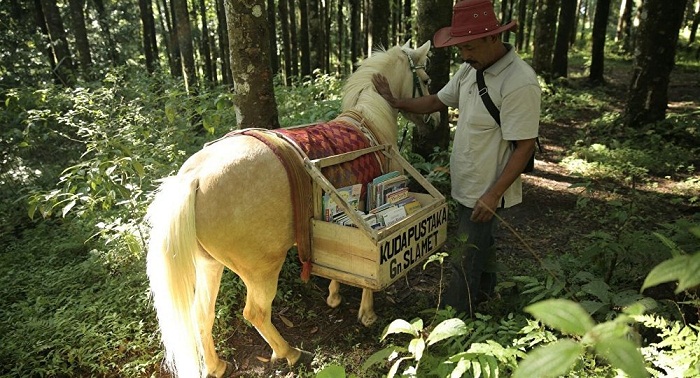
x=417 y=87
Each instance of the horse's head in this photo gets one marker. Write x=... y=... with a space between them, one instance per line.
x=404 y=69
x=416 y=83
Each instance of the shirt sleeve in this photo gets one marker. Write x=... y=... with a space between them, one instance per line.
x=520 y=113
x=449 y=94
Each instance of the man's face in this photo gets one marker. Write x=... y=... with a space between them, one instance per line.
x=477 y=53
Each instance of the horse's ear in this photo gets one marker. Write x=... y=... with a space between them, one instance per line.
x=406 y=45
x=423 y=50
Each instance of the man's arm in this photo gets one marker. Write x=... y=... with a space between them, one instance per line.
x=487 y=204
x=418 y=105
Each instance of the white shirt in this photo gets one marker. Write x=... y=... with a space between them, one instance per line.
x=481 y=148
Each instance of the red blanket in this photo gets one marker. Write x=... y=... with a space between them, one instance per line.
x=333 y=138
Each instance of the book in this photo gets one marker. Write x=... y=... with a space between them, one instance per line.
x=393 y=214
x=350 y=194
x=397 y=195
x=388 y=186
x=371 y=187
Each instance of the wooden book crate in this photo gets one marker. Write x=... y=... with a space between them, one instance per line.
x=369 y=258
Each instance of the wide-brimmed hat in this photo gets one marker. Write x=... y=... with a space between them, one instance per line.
x=471 y=19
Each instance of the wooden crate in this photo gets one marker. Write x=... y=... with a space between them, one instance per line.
x=368 y=258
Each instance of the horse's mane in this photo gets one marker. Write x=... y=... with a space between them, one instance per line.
x=360 y=82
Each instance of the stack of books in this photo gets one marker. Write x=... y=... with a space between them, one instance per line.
x=388 y=201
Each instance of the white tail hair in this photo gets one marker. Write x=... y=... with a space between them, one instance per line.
x=171 y=272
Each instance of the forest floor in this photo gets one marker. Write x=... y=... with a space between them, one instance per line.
x=547 y=222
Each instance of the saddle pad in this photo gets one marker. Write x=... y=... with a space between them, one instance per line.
x=333 y=138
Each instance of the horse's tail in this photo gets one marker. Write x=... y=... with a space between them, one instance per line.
x=171 y=272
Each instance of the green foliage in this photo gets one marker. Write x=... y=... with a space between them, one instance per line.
x=309 y=101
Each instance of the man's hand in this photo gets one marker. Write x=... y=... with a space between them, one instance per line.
x=485 y=208
x=382 y=87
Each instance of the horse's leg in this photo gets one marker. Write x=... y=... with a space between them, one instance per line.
x=366 y=314
x=209 y=272
x=258 y=311
x=334 y=297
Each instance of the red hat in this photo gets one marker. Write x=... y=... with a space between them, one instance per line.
x=471 y=19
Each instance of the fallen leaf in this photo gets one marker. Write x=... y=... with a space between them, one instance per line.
x=287 y=322
x=262 y=359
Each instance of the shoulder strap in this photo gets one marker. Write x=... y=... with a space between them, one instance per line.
x=484 y=94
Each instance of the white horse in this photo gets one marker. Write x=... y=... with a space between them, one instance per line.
x=212 y=215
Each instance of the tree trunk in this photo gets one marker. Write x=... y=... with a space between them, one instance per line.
x=59 y=44
x=206 y=48
x=545 y=32
x=293 y=39
x=81 y=38
x=184 y=41
x=696 y=22
x=342 y=68
x=355 y=33
x=431 y=16
x=567 y=15
x=379 y=27
x=254 y=100
x=656 y=53
x=150 y=47
x=520 y=36
x=272 y=27
x=304 y=38
x=176 y=56
x=326 y=13
x=624 y=25
x=408 y=29
x=222 y=32
x=600 y=26
x=103 y=21
x=530 y=23
x=286 y=44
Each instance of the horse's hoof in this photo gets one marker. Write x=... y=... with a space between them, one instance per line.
x=367 y=319
x=230 y=369
x=305 y=359
x=334 y=301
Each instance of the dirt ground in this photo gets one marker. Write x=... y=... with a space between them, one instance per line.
x=548 y=222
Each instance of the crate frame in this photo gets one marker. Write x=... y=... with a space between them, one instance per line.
x=365 y=257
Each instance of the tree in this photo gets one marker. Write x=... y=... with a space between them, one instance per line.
x=304 y=38
x=653 y=63
x=62 y=64
x=184 y=42
x=600 y=25
x=286 y=43
x=222 y=32
x=150 y=47
x=209 y=69
x=254 y=100
x=81 y=38
x=433 y=15
x=545 y=31
x=566 y=27
x=355 y=30
x=624 y=25
x=379 y=25
x=103 y=21
x=272 y=27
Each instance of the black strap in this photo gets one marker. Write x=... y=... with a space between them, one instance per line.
x=484 y=94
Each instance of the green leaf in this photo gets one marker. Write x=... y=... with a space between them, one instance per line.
x=331 y=371
x=564 y=315
x=690 y=276
x=669 y=270
x=380 y=356
x=448 y=328
x=416 y=348
x=400 y=326
x=552 y=360
x=67 y=208
x=624 y=355
x=599 y=289
x=675 y=250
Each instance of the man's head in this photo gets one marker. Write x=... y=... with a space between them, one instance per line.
x=482 y=52
x=471 y=20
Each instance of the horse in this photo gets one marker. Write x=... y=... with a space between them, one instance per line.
x=212 y=215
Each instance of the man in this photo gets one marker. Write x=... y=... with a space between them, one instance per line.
x=487 y=159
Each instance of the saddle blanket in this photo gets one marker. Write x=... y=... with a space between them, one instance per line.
x=334 y=138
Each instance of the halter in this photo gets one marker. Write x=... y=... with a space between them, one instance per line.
x=416 y=88
x=416 y=79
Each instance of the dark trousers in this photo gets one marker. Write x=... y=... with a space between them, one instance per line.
x=473 y=266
